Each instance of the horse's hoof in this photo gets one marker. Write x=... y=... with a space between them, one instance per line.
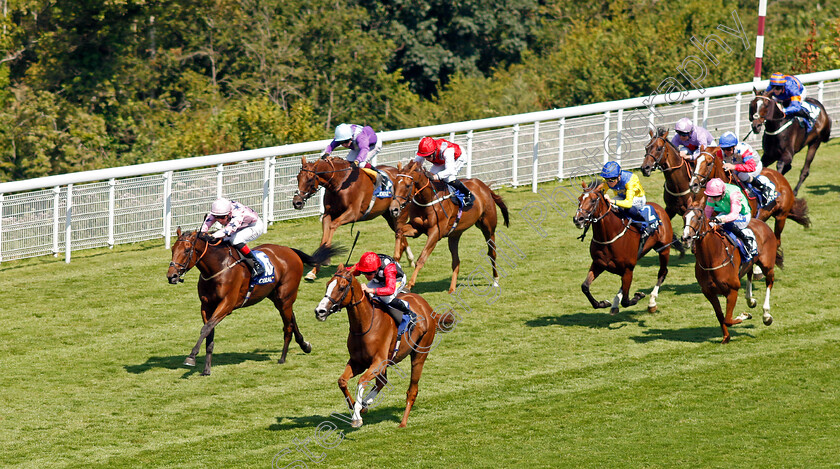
x=310 y=277
x=356 y=423
x=613 y=311
x=364 y=410
x=725 y=340
x=743 y=317
x=401 y=425
x=307 y=347
x=205 y=373
x=652 y=309
x=189 y=362
x=767 y=319
x=751 y=302
x=281 y=361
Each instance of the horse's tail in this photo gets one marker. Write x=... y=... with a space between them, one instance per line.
x=826 y=131
x=501 y=203
x=799 y=213
x=444 y=322
x=321 y=255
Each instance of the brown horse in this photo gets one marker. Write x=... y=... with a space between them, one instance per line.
x=348 y=198
x=615 y=245
x=786 y=205
x=373 y=337
x=434 y=213
x=661 y=153
x=718 y=266
x=783 y=137
x=224 y=284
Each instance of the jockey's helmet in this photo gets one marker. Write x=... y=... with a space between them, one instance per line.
x=611 y=170
x=221 y=207
x=369 y=263
x=343 y=133
x=714 y=187
x=728 y=140
x=684 y=126
x=777 y=79
x=426 y=147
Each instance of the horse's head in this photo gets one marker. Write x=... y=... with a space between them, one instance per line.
x=307 y=180
x=592 y=206
x=696 y=224
x=403 y=188
x=339 y=294
x=184 y=256
x=703 y=170
x=764 y=109
x=656 y=151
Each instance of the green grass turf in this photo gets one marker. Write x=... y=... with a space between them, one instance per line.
x=91 y=353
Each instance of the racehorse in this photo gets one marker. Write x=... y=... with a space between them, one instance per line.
x=718 y=266
x=785 y=206
x=615 y=245
x=434 y=213
x=661 y=153
x=349 y=198
x=373 y=337
x=224 y=284
x=783 y=138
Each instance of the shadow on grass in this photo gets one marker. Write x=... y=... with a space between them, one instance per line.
x=341 y=419
x=822 y=189
x=692 y=334
x=592 y=320
x=652 y=260
x=431 y=286
x=174 y=362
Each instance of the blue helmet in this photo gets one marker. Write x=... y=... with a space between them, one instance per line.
x=611 y=170
x=728 y=140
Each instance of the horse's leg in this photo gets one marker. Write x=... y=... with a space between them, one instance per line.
x=748 y=295
x=731 y=300
x=290 y=327
x=381 y=382
x=490 y=239
x=806 y=168
x=594 y=272
x=431 y=241
x=326 y=222
x=358 y=405
x=209 y=344
x=190 y=360
x=456 y=261
x=664 y=256
x=349 y=372
x=713 y=299
x=769 y=278
x=417 y=361
x=626 y=281
x=783 y=165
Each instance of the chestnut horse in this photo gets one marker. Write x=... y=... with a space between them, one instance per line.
x=433 y=212
x=784 y=137
x=786 y=205
x=615 y=245
x=373 y=337
x=348 y=198
x=718 y=266
x=661 y=153
x=224 y=284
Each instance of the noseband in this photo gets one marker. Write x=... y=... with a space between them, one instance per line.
x=335 y=305
x=590 y=215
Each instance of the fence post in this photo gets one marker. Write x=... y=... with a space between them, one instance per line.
x=651 y=121
x=618 y=128
x=738 y=115
x=705 y=112
x=2 y=198
x=606 y=136
x=266 y=180
x=111 y=209
x=469 y=153
x=561 y=140
x=515 y=155
x=167 y=207
x=56 y=218
x=219 y=170
x=68 y=224
x=535 y=164
x=695 y=110
x=271 y=188
x=820 y=87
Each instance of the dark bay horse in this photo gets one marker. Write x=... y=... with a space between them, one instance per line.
x=433 y=212
x=661 y=153
x=784 y=137
x=224 y=281
x=786 y=205
x=615 y=245
x=718 y=266
x=348 y=198
x=372 y=338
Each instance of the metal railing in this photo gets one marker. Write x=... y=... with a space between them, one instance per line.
x=112 y=206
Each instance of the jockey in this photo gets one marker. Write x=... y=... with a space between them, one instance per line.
x=240 y=225
x=362 y=142
x=732 y=210
x=385 y=281
x=742 y=159
x=789 y=91
x=630 y=199
x=444 y=156
x=691 y=139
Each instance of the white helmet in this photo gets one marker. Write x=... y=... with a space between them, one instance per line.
x=684 y=125
x=221 y=207
x=343 y=132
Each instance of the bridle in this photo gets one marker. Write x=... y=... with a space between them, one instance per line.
x=703 y=179
x=189 y=252
x=590 y=217
x=403 y=200
x=657 y=163
x=698 y=235
x=762 y=118
x=335 y=305
x=311 y=186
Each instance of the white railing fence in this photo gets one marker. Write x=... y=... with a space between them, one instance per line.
x=121 y=205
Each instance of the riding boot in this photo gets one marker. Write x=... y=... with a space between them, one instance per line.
x=253 y=264
x=748 y=240
x=767 y=189
x=804 y=114
x=408 y=315
x=460 y=187
x=646 y=229
x=377 y=185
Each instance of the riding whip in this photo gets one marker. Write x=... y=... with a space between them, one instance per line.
x=352 y=247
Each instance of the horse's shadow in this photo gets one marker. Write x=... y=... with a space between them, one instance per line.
x=691 y=288
x=340 y=419
x=822 y=189
x=174 y=362
x=690 y=334
x=431 y=286
x=591 y=320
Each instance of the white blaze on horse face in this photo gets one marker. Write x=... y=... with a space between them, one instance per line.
x=758 y=106
x=688 y=219
x=325 y=302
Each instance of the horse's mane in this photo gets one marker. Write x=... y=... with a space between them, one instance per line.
x=593 y=185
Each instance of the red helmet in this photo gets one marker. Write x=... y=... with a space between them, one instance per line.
x=426 y=147
x=369 y=263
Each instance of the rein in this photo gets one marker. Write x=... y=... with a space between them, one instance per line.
x=701 y=234
x=657 y=160
x=315 y=173
x=349 y=289
x=591 y=219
